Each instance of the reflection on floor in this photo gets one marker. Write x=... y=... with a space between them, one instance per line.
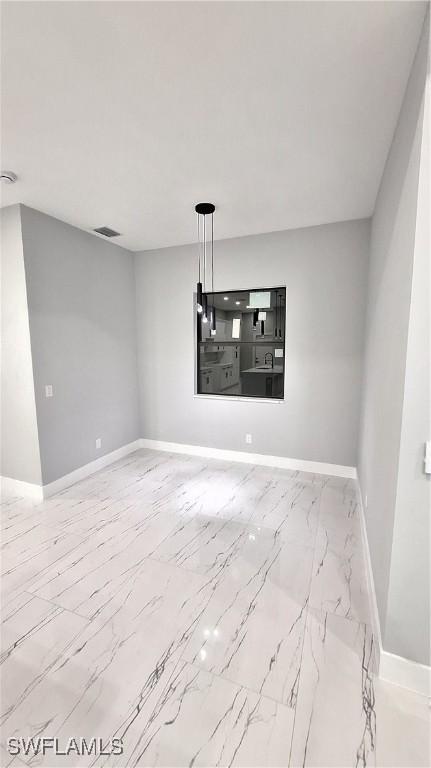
x=206 y=613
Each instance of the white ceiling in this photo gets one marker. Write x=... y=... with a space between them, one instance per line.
x=127 y=114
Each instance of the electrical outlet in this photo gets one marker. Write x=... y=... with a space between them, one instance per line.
x=48 y=390
x=98 y=442
x=249 y=438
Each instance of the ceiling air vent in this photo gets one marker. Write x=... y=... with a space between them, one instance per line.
x=106 y=232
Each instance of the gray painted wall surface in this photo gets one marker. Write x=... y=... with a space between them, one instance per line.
x=20 y=458
x=389 y=295
x=325 y=271
x=408 y=611
x=81 y=301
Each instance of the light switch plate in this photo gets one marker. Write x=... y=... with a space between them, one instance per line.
x=98 y=443
x=48 y=390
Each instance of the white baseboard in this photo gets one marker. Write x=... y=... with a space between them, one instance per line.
x=404 y=672
x=40 y=492
x=11 y=487
x=89 y=469
x=280 y=462
x=394 y=669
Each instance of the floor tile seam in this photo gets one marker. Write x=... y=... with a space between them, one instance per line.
x=61 y=608
x=63 y=528
x=175 y=566
x=206 y=576
x=34 y=631
x=230 y=680
x=237 y=521
x=352 y=619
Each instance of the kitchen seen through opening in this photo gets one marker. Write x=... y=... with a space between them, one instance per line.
x=241 y=344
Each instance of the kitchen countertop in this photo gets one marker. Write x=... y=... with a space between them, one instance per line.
x=276 y=369
x=209 y=366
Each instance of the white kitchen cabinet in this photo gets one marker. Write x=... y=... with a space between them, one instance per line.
x=235 y=364
x=206 y=330
x=226 y=376
x=207 y=381
x=221 y=329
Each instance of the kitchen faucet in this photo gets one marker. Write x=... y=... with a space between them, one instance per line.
x=272 y=358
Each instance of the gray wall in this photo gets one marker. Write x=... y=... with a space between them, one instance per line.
x=81 y=302
x=325 y=271
x=409 y=584
x=389 y=303
x=20 y=458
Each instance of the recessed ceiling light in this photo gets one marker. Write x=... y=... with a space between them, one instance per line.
x=237 y=303
x=8 y=177
x=226 y=298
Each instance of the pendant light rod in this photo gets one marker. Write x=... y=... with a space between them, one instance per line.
x=203 y=210
x=199 y=285
x=212 y=254
x=199 y=250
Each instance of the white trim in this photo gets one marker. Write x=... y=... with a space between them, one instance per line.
x=11 y=487
x=404 y=672
x=281 y=462
x=394 y=669
x=40 y=492
x=89 y=469
x=239 y=398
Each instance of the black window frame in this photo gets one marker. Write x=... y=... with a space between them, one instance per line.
x=238 y=342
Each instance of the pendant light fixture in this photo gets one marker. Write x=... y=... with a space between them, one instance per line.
x=205 y=283
x=280 y=327
x=276 y=314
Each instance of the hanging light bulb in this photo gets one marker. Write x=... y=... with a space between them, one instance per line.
x=281 y=317
x=199 y=297
x=207 y=282
x=205 y=308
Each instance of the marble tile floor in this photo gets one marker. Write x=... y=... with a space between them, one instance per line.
x=207 y=613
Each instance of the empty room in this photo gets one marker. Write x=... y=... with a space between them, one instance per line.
x=215 y=384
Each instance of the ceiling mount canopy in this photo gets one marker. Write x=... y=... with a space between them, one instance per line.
x=205 y=208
